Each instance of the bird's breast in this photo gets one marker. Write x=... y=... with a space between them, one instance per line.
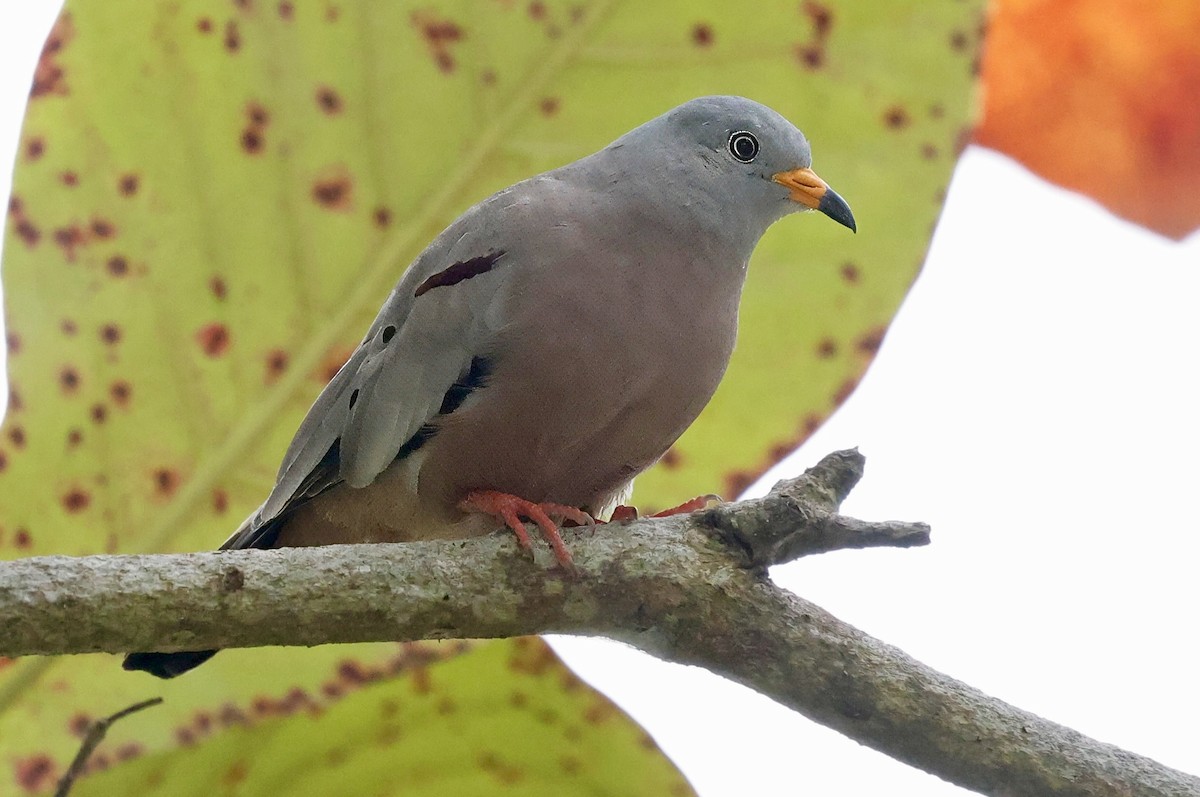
x=592 y=381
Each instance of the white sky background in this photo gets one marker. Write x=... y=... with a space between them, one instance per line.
x=1036 y=402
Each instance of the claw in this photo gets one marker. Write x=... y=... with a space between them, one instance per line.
x=511 y=509
x=623 y=514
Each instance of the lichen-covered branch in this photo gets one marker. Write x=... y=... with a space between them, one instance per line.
x=691 y=589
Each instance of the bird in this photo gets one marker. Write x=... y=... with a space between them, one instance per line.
x=545 y=348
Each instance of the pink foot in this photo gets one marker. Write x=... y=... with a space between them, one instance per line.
x=511 y=509
x=624 y=514
x=687 y=507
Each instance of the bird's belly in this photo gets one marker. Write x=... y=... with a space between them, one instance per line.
x=565 y=426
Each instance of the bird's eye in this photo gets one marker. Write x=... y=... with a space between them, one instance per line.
x=743 y=146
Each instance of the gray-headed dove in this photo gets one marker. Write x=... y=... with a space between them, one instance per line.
x=547 y=347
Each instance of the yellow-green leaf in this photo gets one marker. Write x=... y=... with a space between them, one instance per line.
x=212 y=198
x=510 y=718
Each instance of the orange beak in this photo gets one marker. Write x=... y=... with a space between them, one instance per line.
x=811 y=191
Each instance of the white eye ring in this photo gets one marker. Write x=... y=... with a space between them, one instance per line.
x=743 y=146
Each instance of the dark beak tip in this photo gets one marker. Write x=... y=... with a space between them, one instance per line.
x=833 y=206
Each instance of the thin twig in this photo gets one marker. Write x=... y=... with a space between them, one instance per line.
x=95 y=734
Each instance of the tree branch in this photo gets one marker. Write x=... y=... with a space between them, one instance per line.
x=691 y=589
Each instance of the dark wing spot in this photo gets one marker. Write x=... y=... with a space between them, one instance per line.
x=475 y=377
x=463 y=270
x=416 y=441
x=353 y=398
x=389 y=332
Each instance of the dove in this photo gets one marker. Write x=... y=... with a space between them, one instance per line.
x=547 y=347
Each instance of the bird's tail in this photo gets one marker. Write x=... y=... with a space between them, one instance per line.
x=167 y=665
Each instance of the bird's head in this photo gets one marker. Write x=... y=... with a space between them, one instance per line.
x=747 y=159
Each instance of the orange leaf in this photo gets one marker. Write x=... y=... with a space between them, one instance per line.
x=1100 y=96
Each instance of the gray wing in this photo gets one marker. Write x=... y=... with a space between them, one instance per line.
x=434 y=327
